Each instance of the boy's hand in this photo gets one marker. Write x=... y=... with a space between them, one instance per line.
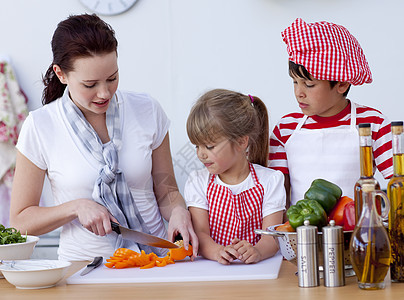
x=247 y=253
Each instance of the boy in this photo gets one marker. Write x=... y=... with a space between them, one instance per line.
x=323 y=140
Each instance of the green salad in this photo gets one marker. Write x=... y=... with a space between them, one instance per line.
x=10 y=236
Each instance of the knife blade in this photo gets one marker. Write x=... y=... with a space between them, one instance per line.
x=141 y=237
x=96 y=262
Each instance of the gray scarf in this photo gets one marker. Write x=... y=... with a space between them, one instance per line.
x=110 y=188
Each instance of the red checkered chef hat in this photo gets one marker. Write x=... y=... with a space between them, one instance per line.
x=328 y=52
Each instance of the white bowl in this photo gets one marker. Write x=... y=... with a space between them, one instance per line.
x=34 y=273
x=19 y=250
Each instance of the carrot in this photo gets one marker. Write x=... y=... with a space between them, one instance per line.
x=148 y=266
x=180 y=253
x=161 y=263
x=127 y=258
x=109 y=265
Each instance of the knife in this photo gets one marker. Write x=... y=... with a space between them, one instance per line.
x=141 y=237
x=96 y=262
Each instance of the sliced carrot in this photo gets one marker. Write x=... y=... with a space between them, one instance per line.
x=121 y=265
x=127 y=258
x=148 y=266
x=109 y=265
x=161 y=263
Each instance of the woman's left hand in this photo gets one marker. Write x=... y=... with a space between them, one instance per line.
x=248 y=253
x=180 y=223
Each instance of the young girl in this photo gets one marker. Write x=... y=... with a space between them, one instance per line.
x=236 y=192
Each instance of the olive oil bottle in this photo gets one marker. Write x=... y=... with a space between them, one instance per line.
x=370 y=247
x=366 y=164
x=395 y=192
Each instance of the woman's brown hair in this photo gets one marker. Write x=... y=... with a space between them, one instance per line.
x=76 y=37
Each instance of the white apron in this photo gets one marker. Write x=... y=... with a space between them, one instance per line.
x=331 y=154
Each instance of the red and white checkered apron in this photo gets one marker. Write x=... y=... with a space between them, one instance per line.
x=235 y=216
x=328 y=52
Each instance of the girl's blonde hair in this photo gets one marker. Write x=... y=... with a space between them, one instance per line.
x=229 y=114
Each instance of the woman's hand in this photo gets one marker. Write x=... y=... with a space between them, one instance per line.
x=171 y=204
x=94 y=217
x=248 y=254
x=180 y=223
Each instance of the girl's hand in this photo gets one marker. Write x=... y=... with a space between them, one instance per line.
x=180 y=223
x=247 y=252
x=94 y=217
x=227 y=254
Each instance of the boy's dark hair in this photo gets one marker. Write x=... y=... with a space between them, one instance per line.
x=301 y=71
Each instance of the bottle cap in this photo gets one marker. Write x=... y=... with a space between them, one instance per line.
x=397 y=127
x=307 y=234
x=364 y=129
x=333 y=234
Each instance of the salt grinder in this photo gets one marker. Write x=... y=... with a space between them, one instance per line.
x=333 y=251
x=307 y=255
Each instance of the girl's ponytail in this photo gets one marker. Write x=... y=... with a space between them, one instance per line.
x=258 y=151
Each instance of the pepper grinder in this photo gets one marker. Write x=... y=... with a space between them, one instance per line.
x=333 y=252
x=307 y=255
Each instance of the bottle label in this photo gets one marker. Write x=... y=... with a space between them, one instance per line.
x=365 y=140
x=331 y=260
x=303 y=264
x=398 y=144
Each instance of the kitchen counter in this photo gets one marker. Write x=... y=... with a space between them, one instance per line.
x=285 y=286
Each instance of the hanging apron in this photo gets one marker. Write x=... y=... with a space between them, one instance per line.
x=235 y=216
x=331 y=154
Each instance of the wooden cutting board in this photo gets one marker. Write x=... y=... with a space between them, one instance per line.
x=197 y=270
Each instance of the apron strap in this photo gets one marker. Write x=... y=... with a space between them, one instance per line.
x=353 y=118
x=353 y=115
x=252 y=171
x=301 y=123
x=253 y=174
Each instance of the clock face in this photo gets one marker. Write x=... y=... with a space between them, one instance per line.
x=108 y=7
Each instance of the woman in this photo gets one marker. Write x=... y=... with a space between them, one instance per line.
x=86 y=138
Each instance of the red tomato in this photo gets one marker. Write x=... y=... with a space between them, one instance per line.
x=349 y=216
x=337 y=213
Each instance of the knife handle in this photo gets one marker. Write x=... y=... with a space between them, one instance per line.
x=96 y=262
x=115 y=227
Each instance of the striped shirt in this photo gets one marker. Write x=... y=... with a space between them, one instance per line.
x=381 y=135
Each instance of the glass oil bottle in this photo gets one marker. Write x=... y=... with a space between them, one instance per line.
x=366 y=165
x=370 y=245
x=395 y=192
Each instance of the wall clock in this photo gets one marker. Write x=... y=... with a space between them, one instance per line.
x=108 y=7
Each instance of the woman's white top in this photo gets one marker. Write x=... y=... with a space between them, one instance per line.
x=48 y=143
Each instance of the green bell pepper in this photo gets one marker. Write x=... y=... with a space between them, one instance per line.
x=307 y=210
x=324 y=192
